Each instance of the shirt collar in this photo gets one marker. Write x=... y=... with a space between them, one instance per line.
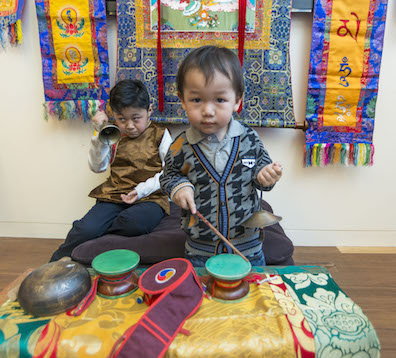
x=195 y=136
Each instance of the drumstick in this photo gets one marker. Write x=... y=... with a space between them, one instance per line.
x=217 y=232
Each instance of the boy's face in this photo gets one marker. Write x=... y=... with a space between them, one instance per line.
x=209 y=106
x=132 y=121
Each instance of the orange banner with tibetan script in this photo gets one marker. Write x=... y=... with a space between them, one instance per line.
x=345 y=62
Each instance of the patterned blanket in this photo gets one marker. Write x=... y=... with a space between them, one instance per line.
x=73 y=42
x=346 y=49
x=298 y=312
x=189 y=24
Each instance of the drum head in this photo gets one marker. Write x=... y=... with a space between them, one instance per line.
x=115 y=262
x=228 y=267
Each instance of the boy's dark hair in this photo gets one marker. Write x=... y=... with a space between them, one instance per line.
x=209 y=59
x=129 y=93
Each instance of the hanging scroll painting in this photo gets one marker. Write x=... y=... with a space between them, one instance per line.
x=73 y=42
x=346 y=49
x=188 y=25
x=10 y=22
x=201 y=15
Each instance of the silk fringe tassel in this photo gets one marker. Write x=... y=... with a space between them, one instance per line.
x=81 y=109
x=321 y=155
x=11 y=35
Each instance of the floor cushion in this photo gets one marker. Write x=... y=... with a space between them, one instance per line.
x=167 y=241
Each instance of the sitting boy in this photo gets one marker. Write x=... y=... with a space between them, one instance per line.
x=217 y=164
x=129 y=202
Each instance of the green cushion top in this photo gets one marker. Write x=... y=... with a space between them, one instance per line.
x=228 y=267
x=115 y=262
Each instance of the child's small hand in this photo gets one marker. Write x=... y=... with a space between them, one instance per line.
x=99 y=119
x=270 y=174
x=184 y=198
x=130 y=198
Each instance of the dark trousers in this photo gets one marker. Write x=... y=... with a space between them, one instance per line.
x=111 y=218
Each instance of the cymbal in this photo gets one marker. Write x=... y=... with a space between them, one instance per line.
x=261 y=219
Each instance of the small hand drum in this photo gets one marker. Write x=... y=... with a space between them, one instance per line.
x=117 y=275
x=226 y=282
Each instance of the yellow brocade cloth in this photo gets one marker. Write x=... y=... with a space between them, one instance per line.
x=253 y=327
x=298 y=312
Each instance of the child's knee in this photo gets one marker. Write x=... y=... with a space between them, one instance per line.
x=127 y=226
x=87 y=230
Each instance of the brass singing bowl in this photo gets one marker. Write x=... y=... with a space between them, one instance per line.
x=261 y=219
x=54 y=288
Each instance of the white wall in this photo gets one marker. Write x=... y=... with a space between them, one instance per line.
x=44 y=177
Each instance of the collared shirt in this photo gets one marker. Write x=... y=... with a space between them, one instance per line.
x=217 y=152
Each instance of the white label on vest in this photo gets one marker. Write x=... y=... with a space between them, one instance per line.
x=249 y=162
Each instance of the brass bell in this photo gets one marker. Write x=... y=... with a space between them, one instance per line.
x=110 y=134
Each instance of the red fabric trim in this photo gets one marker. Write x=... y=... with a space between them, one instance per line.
x=155 y=334
x=113 y=152
x=126 y=336
x=119 y=341
x=184 y=331
x=298 y=346
x=87 y=300
x=189 y=270
x=160 y=75
x=51 y=349
x=158 y=327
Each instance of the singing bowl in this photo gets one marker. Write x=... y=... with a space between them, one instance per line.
x=261 y=219
x=227 y=272
x=54 y=288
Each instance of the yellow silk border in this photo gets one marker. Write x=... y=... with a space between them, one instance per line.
x=8 y=7
x=148 y=39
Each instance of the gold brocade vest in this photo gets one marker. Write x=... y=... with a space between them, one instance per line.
x=135 y=161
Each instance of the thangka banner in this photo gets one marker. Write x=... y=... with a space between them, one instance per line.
x=10 y=22
x=186 y=25
x=73 y=43
x=346 y=49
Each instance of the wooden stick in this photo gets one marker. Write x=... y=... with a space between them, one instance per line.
x=217 y=232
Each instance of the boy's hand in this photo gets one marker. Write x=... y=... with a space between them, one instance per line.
x=99 y=119
x=270 y=174
x=184 y=198
x=130 y=198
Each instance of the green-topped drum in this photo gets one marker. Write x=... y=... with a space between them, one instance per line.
x=116 y=270
x=227 y=272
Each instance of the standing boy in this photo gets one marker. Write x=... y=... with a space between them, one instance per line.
x=217 y=164
x=129 y=202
